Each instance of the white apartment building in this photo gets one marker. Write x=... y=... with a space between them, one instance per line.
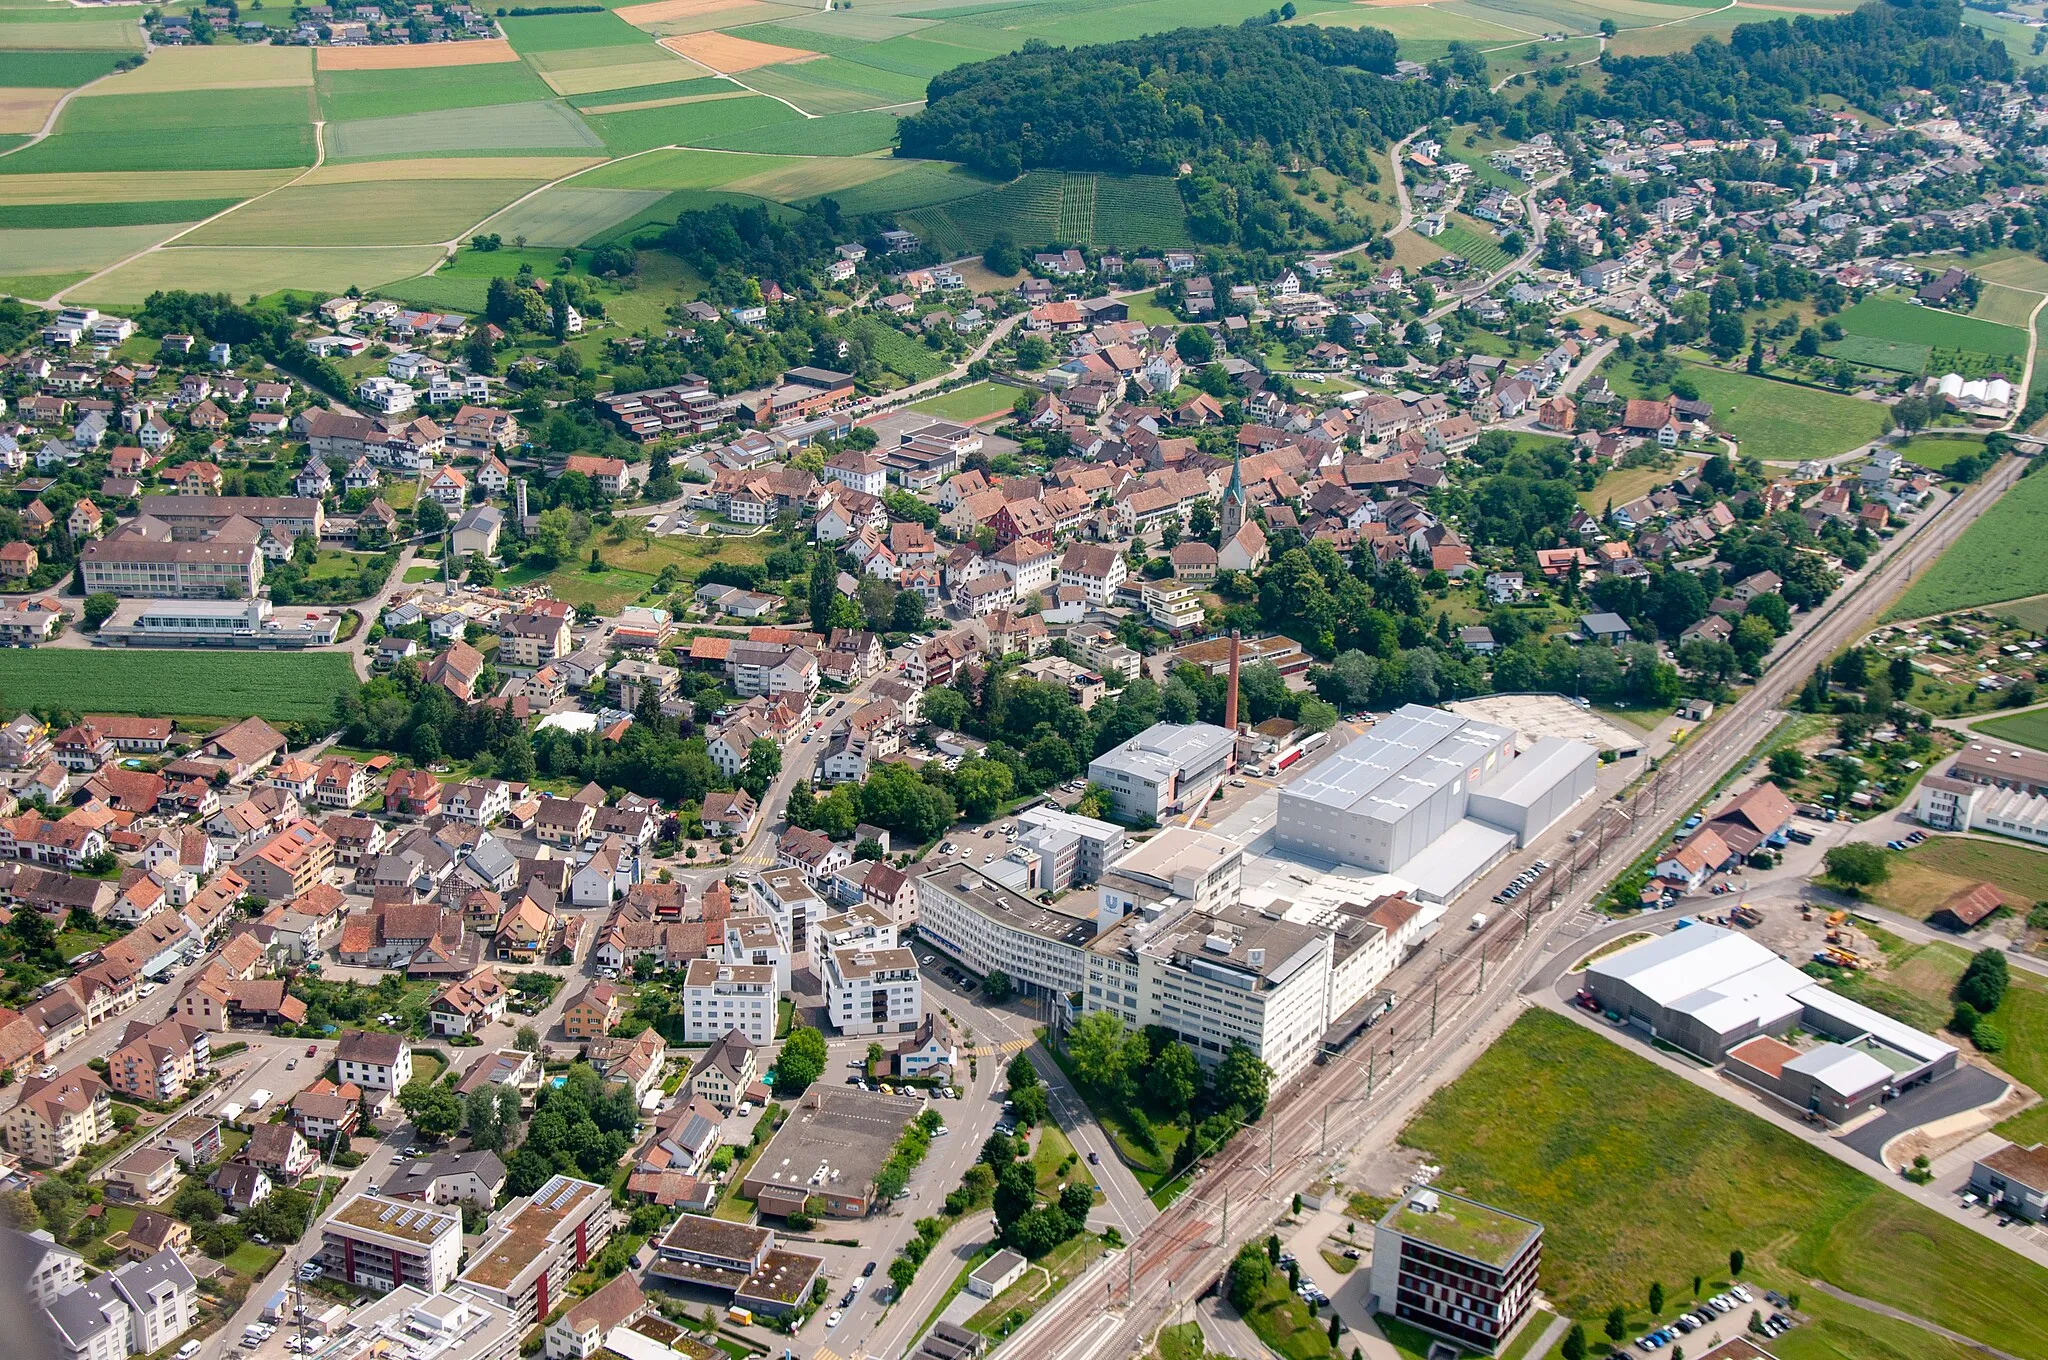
x=718 y=997
x=786 y=897
x=375 y=1062
x=873 y=991
x=54 y=1268
x=379 y=1244
x=134 y=1310
x=987 y=927
x=754 y=941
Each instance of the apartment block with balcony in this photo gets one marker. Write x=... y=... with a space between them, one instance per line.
x=379 y=1244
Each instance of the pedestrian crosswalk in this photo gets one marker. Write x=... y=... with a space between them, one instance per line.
x=1003 y=1049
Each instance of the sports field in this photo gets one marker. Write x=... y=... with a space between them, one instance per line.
x=278 y=686
x=1638 y=1175
x=1998 y=558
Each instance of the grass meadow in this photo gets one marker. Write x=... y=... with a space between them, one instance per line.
x=1998 y=558
x=282 y=686
x=1638 y=1175
x=539 y=125
x=258 y=269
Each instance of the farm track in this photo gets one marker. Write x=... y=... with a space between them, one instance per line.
x=1170 y=1261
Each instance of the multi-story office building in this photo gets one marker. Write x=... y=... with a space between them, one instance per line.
x=1196 y=867
x=988 y=927
x=143 y=558
x=721 y=997
x=1456 y=1267
x=1215 y=979
x=1073 y=849
x=525 y=1267
x=379 y=1244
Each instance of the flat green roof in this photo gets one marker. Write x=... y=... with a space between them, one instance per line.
x=1464 y=1226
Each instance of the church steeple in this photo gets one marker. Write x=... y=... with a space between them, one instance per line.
x=1231 y=518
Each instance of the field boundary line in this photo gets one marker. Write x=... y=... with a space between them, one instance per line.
x=56 y=299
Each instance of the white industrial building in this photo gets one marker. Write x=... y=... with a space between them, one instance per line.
x=1950 y=804
x=1165 y=769
x=1063 y=848
x=1712 y=992
x=1434 y=796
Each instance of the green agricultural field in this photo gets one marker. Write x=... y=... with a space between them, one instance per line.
x=1775 y=420
x=1637 y=1175
x=680 y=169
x=2027 y=729
x=280 y=686
x=567 y=32
x=150 y=186
x=569 y=215
x=395 y=213
x=1139 y=210
x=1998 y=558
x=71 y=216
x=836 y=85
x=513 y=128
x=187 y=111
x=815 y=177
x=348 y=96
x=662 y=213
x=52 y=70
x=688 y=124
x=29 y=252
x=55 y=30
x=438 y=293
x=839 y=134
x=220 y=66
x=651 y=94
x=38 y=285
x=255 y=269
x=1888 y=318
x=976 y=401
x=915 y=184
x=201 y=130
x=2004 y=305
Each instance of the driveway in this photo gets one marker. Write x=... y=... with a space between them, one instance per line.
x=1964 y=1090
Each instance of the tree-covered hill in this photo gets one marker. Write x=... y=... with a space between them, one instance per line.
x=1150 y=104
x=1780 y=69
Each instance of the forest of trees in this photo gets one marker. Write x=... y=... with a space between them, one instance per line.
x=1780 y=68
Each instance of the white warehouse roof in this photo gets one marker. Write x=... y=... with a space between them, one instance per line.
x=1396 y=766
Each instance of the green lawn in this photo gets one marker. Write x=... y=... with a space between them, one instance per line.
x=1775 y=420
x=1281 y=1320
x=1154 y=1171
x=1638 y=1175
x=1936 y=452
x=1997 y=558
x=976 y=401
x=252 y=1261
x=2028 y=729
x=281 y=686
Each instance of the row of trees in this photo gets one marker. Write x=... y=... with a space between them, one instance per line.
x=1150 y=1075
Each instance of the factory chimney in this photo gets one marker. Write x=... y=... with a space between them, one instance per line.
x=1230 y=699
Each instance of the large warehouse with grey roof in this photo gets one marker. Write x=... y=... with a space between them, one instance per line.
x=1432 y=796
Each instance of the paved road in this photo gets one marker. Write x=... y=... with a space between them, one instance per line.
x=1968 y=1088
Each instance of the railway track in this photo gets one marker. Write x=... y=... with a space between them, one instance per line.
x=1241 y=1192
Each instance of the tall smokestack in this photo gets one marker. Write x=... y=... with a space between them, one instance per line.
x=1230 y=700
